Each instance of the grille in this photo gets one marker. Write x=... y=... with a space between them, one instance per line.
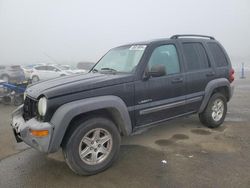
x=29 y=108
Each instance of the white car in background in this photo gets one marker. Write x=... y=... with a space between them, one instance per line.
x=74 y=70
x=45 y=72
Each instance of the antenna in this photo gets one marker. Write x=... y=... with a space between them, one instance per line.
x=51 y=58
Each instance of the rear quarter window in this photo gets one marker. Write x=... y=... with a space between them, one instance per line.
x=15 y=67
x=217 y=54
x=195 y=56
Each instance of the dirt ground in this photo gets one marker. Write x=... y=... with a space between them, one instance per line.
x=178 y=153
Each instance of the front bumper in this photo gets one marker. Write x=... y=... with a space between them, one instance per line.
x=22 y=132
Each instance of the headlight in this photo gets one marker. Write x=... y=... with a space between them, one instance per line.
x=42 y=106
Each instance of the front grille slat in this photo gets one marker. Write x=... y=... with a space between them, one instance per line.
x=29 y=108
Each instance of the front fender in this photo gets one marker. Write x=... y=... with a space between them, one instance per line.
x=65 y=113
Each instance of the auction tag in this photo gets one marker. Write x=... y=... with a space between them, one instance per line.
x=138 y=47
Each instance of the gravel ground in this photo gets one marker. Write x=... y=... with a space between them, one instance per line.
x=179 y=153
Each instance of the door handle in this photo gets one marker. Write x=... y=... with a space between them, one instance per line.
x=177 y=80
x=210 y=74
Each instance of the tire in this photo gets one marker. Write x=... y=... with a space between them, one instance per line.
x=214 y=114
x=6 y=100
x=85 y=130
x=18 y=100
x=35 y=79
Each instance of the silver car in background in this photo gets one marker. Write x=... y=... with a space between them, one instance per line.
x=12 y=73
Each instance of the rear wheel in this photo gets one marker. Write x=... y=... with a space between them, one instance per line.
x=6 y=100
x=214 y=114
x=6 y=78
x=92 y=146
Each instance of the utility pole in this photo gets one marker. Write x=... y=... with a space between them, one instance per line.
x=242 y=71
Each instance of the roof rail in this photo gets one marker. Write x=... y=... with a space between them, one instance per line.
x=186 y=35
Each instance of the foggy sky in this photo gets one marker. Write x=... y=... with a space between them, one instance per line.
x=63 y=31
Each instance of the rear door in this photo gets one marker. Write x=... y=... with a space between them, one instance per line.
x=160 y=98
x=198 y=73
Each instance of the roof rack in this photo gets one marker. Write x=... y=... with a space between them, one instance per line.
x=186 y=35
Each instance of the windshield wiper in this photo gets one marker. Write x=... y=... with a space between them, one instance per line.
x=109 y=69
x=94 y=70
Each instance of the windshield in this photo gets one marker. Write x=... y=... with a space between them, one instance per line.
x=122 y=59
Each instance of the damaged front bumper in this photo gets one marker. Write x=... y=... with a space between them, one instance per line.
x=23 y=131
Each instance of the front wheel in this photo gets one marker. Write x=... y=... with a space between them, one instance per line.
x=91 y=146
x=214 y=114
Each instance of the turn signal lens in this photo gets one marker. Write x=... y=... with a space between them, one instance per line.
x=39 y=133
x=231 y=75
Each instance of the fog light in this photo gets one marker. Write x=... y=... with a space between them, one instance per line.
x=39 y=133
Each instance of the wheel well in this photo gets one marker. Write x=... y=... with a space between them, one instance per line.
x=223 y=90
x=109 y=113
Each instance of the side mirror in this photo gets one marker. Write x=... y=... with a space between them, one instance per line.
x=157 y=70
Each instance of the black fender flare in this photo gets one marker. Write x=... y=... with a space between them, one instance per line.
x=65 y=113
x=211 y=86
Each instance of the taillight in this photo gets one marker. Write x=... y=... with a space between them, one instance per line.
x=231 y=75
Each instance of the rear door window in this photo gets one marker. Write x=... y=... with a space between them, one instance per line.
x=195 y=56
x=218 y=55
x=51 y=68
x=40 y=68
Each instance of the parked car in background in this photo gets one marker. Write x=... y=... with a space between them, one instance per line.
x=28 y=69
x=86 y=66
x=45 y=72
x=12 y=73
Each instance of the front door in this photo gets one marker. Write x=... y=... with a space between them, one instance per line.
x=160 y=98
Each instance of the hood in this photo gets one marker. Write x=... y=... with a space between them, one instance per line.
x=75 y=83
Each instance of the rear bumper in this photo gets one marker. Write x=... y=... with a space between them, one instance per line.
x=22 y=132
x=231 y=90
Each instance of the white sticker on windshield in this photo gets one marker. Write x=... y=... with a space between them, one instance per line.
x=138 y=47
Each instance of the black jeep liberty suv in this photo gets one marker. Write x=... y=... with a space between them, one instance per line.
x=131 y=87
